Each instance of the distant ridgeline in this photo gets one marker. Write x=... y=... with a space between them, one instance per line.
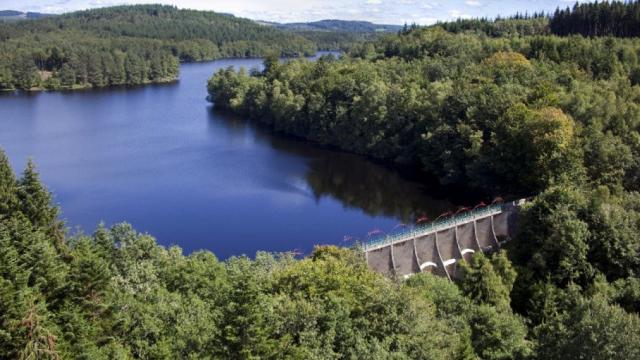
x=12 y=15
x=128 y=45
x=337 y=34
x=337 y=25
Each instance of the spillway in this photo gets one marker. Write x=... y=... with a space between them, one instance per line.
x=439 y=247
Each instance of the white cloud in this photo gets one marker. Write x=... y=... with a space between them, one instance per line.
x=473 y=3
x=457 y=14
x=427 y=21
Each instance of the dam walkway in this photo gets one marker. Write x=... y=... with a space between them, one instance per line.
x=439 y=246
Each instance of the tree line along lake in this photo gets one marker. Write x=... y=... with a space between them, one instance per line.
x=161 y=158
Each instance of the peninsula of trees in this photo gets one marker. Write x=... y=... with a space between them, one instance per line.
x=511 y=113
x=129 y=45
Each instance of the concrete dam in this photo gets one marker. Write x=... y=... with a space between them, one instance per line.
x=439 y=246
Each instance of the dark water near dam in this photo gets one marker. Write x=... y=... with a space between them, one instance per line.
x=160 y=158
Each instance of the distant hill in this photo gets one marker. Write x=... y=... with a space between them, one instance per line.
x=128 y=45
x=12 y=15
x=335 y=34
x=336 y=26
x=197 y=35
x=6 y=13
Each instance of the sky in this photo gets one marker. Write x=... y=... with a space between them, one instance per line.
x=422 y=12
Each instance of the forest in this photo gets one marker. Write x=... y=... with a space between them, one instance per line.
x=505 y=107
x=507 y=112
x=604 y=18
x=117 y=294
x=129 y=45
x=590 y=19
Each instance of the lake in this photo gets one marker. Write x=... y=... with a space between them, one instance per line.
x=161 y=158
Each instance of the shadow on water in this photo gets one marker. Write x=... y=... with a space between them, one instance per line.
x=378 y=189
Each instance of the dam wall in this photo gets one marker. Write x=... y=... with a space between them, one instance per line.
x=438 y=247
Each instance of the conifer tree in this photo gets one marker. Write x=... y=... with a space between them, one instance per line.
x=483 y=283
x=12 y=290
x=35 y=199
x=8 y=188
x=41 y=343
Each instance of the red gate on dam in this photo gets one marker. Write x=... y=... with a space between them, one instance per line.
x=437 y=247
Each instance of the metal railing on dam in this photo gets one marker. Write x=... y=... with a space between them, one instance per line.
x=438 y=246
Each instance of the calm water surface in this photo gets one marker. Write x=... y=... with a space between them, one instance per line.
x=160 y=158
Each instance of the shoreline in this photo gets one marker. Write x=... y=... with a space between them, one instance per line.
x=162 y=81
x=88 y=87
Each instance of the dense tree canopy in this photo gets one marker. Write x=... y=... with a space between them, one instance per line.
x=605 y=18
x=116 y=294
x=537 y=24
x=591 y=18
x=519 y=113
x=506 y=114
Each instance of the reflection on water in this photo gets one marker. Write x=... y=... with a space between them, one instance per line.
x=378 y=190
x=374 y=189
